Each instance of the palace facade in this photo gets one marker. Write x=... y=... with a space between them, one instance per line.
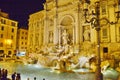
x=8 y=34
x=22 y=39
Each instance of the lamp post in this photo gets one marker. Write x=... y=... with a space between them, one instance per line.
x=95 y=22
x=98 y=67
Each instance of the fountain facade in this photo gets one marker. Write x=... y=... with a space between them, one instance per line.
x=61 y=39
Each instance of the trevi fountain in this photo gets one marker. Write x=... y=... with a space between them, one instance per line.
x=61 y=62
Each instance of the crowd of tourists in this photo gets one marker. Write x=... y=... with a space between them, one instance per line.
x=4 y=75
x=14 y=76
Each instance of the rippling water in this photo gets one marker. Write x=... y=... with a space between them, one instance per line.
x=31 y=71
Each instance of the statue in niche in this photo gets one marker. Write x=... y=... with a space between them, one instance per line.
x=31 y=40
x=65 y=37
x=51 y=22
x=86 y=33
x=50 y=37
x=37 y=39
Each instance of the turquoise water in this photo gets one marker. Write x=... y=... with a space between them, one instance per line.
x=31 y=71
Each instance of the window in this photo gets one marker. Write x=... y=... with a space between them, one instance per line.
x=1 y=36
x=12 y=37
x=12 y=24
x=37 y=25
x=103 y=7
x=2 y=28
x=3 y=21
x=25 y=38
x=12 y=30
x=1 y=44
x=21 y=37
x=22 y=42
x=105 y=50
x=104 y=31
x=118 y=5
x=25 y=43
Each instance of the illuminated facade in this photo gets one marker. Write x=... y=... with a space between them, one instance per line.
x=22 y=38
x=8 y=30
x=35 y=32
x=68 y=15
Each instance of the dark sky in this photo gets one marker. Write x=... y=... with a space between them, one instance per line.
x=20 y=10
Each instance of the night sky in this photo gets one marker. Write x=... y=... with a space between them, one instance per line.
x=20 y=10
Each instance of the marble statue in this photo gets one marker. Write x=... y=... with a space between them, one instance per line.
x=51 y=37
x=86 y=34
x=65 y=37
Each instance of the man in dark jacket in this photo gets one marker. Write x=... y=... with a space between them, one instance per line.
x=13 y=76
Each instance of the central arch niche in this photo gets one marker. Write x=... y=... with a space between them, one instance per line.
x=66 y=21
x=66 y=24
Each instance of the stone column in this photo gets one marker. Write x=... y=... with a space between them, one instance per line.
x=56 y=30
x=77 y=34
x=60 y=35
x=45 y=33
x=55 y=41
x=46 y=26
x=74 y=35
x=111 y=11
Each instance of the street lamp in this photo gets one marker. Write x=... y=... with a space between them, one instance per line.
x=95 y=23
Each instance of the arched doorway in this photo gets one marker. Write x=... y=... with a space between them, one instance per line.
x=9 y=53
x=1 y=53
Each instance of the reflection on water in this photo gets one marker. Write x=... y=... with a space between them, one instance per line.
x=37 y=71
